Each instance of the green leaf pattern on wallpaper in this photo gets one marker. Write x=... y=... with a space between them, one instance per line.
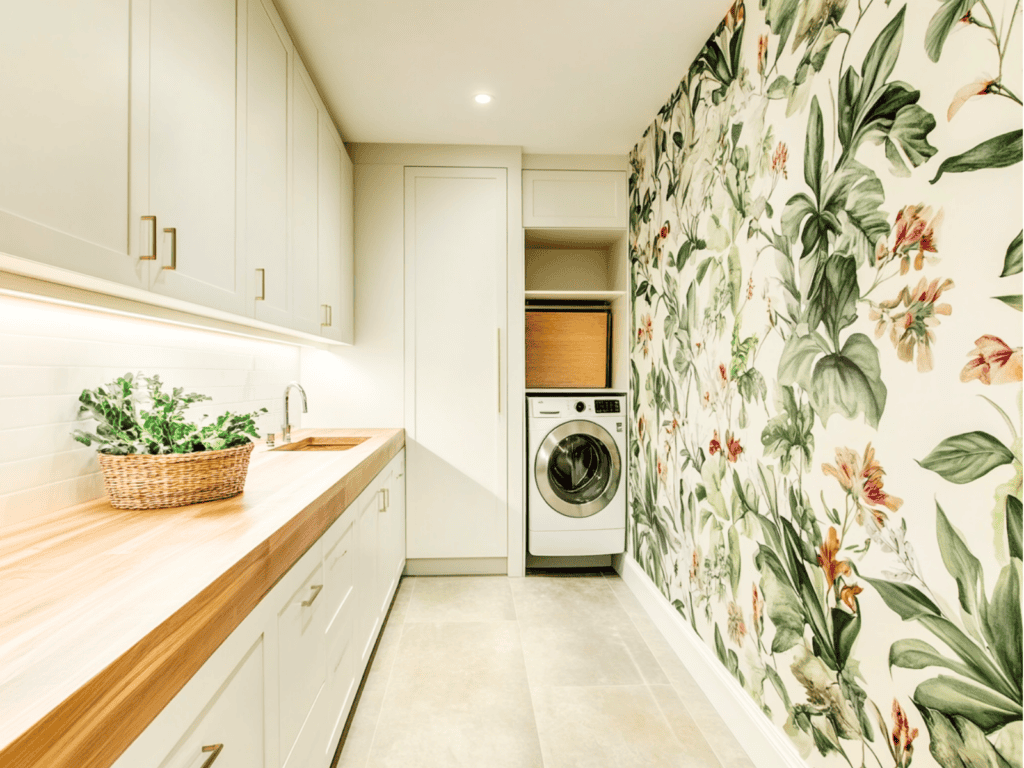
x=826 y=468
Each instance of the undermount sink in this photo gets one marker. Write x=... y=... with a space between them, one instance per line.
x=322 y=444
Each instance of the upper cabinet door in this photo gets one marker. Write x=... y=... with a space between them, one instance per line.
x=64 y=136
x=303 y=264
x=584 y=199
x=184 y=129
x=336 y=236
x=266 y=161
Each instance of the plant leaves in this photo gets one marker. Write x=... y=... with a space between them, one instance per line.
x=906 y=600
x=814 y=150
x=849 y=383
x=964 y=458
x=956 y=742
x=1012 y=263
x=797 y=362
x=961 y=564
x=845 y=628
x=982 y=706
x=998 y=152
x=1015 y=301
x=911 y=653
x=942 y=23
x=784 y=611
x=1003 y=624
x=881 y=58
x=1013 y=527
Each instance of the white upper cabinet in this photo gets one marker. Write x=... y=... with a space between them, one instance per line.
x=64 y=136
x=336 y=236
x=305 y=192
x=179 y=148
x=184 y=137
x=575 y=199
x=267 y=162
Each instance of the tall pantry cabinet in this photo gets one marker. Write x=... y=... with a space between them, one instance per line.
x=439 y=227
x=456 y=413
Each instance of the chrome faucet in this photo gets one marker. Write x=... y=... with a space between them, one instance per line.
x=286 y=428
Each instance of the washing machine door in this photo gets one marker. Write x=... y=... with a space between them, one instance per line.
x=578 y=468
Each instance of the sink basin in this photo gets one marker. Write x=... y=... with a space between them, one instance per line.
x=322 y=444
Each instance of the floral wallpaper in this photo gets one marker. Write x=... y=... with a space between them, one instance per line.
x=826 y=371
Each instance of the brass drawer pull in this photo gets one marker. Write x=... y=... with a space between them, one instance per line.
x=216 y=750
x=261 y=276
x=147 y=236
x=173 y=232
x=316 y=591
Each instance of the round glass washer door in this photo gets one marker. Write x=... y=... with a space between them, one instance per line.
x=578 y=468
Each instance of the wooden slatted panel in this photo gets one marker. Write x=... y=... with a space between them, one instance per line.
x=566 y=349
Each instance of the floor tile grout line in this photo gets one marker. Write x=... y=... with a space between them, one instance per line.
x=526 y=674
x=391 y=667
x=706 y=736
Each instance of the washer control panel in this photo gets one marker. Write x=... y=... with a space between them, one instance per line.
x=579 y=405
x=607 y=406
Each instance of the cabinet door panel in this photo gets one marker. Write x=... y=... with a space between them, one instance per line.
x=191 y=126
x=455 y=249
x=366 y=577
x=336 y=234
x=64 y=164
x=232 y=719
x=302 y=660
x=267 y=162
x=304 y=204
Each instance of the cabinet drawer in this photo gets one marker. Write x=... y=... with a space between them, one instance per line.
x=574 y=199
x=231 y=724
x=339 y=566
x=301 y=656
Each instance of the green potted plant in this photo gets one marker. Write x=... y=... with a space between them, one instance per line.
x=152 y=456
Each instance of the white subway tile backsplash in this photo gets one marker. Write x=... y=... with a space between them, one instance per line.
x=50 y=353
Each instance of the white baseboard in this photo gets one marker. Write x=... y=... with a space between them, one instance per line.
x=767 y=746
x=456 y=566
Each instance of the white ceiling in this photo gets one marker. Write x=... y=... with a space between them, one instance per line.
x=567 y=76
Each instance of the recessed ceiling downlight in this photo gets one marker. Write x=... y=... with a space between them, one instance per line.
x=482 y=98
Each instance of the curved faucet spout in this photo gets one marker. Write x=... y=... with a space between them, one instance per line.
x=286 y=428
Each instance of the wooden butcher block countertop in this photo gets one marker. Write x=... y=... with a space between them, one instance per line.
x=105 y=614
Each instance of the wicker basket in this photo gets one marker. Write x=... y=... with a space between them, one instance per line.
x=141 y=481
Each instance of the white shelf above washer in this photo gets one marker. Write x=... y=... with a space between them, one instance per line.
x=574 y=295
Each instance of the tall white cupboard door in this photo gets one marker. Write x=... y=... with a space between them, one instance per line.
x=305 y=192
x=371 y=506
x=64 y=136
x=456 y=254
x=336 y=236
x=266 y=187
x=184 y=139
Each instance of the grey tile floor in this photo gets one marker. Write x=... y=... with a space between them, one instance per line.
x=553 y=671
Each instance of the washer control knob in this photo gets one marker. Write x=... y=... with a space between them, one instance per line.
x=581 y=407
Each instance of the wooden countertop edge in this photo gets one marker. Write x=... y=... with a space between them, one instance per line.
x=94 y=726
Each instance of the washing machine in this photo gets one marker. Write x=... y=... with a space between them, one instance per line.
x=576 y=466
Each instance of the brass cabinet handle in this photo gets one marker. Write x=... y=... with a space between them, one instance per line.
x=261 y=275
x=216 y=750
x=147 y=236
x=330 y=315
x=316 y=591
x=173 y=232
x=339 y=557
x=499 y=370
x=381 y=504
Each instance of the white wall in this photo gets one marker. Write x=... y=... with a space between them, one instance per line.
x=50 y=353
x=363 y=385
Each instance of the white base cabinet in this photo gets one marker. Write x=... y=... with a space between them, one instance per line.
x=278 y=691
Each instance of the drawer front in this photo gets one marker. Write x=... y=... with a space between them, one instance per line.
x=301 y=651
x=231 y=724
x=339 y=567
x=342 y=679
